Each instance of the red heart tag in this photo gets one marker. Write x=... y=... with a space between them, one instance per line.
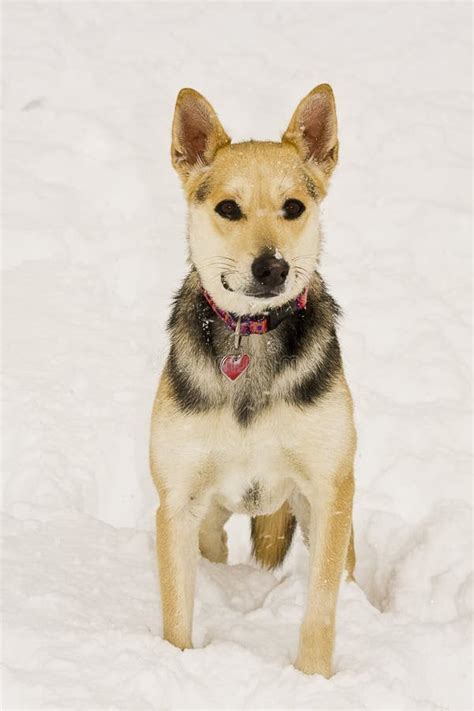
x=234 y=365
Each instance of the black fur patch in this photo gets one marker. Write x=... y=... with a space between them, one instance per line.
x=318 y=319
x=251 y=498
x=243 y=412
x=187 y=395
x=317 y=383
x=191 y=318
x=310 y=186
x=203 y=191
x=190 y=322
x=250 y=402
x=298 y=334
x=200 y=339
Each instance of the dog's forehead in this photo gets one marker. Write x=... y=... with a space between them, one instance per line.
x=241 y=169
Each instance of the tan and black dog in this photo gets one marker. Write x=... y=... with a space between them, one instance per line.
x=253 y=414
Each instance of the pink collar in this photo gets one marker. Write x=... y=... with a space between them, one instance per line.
x=261 y=323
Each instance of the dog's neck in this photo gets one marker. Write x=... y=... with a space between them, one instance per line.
x=261 y=323
x=296 y=362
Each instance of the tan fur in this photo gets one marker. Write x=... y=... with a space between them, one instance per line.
x=259 y=176
x=329 y=540
x=271 y=536
x=351 y=557
x=298 y=459
x=181 y=455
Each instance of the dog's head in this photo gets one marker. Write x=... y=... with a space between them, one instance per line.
x=254 y=207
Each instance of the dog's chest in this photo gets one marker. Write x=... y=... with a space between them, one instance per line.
x=253 y=466
x=251 y=393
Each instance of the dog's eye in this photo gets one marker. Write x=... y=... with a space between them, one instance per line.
x=292 y=209
x=229 y=209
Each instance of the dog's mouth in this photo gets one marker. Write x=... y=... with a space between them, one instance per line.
x=256 y=292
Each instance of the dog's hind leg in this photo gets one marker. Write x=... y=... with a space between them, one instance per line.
x=212 y=537
x=272 y=536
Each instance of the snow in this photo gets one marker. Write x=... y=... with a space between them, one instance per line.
x=94 y=227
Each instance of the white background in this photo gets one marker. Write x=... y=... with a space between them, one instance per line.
x=94 y=228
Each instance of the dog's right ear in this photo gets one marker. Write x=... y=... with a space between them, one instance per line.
x=197 y=132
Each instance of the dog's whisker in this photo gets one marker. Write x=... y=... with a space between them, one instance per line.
x=302 y=270
x=218 y=259
x=302 y=256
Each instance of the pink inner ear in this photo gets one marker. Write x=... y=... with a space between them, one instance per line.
x=197 y=145
x=318 y=127
x=194 y=133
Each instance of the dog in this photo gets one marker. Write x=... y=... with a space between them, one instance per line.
x=253 y=413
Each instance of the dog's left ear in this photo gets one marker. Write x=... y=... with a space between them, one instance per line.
x=197 y=132
x=313 y=128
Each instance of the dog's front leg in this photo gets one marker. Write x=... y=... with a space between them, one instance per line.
x=329 y=531
x=178 y=550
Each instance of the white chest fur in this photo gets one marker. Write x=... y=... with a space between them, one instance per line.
x=250 y=469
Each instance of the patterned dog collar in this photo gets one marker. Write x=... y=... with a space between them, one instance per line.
x=261 y=323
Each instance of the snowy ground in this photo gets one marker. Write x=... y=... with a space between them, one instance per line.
x=94 y=226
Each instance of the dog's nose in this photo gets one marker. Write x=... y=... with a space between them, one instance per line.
x=270 y=270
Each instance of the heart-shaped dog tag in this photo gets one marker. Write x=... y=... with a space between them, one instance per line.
x=234 y=365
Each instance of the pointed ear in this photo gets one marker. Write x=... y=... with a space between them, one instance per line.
x=197 y=132
x=313 y=128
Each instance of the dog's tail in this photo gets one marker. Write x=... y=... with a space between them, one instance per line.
x=272 y=536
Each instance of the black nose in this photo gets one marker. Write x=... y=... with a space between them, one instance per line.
x=270 y=271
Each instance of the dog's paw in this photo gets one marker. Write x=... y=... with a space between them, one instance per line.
x=182 y=642
x=313 y=666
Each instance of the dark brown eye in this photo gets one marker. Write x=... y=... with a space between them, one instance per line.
x=292 y=209
x=228 y=209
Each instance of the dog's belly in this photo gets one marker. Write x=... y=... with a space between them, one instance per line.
x=243 y=487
